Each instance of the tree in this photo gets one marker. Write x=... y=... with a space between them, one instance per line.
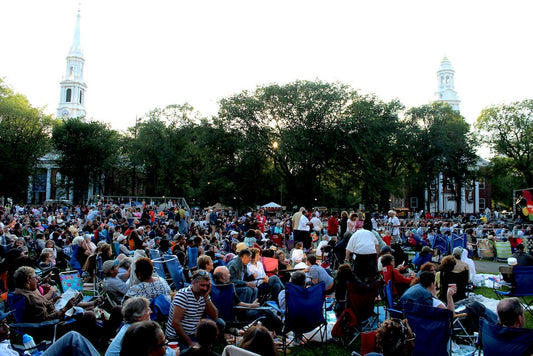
x=440 y=143
x=24 y=137
x=508 y=130
x=87 y=151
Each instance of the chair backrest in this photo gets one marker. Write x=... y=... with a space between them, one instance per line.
x=442 y=244
x=116 y=247
x=270 y=264
x=432 y=327
x=192 y=256
x=223 y=297
x=304 y=307
x=160 y=308
x=484 y=248
x=499 y=340
x=389 y=294
x=458 y=240
x=175 y=270
x=231 y=350
x=17 y=305
x=361 y=299
x=460 y=279
x=503 y=250
x=71 y=279
x=523 y=276
x=158 y=263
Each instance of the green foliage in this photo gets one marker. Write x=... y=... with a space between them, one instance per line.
x=24 y=137
x=87 y=151
x=508 y=130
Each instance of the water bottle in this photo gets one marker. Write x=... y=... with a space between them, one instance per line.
x=28 y=342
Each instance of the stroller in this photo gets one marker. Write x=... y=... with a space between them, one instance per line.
x=329 y=259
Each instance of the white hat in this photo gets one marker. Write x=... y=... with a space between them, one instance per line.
x=121 y=238
x=512 y=261
x=233 y=232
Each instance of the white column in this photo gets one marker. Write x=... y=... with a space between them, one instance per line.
x=48 y=182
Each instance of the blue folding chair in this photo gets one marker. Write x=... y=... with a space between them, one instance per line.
x=496 y=340
x=433 y=328
x=160 y=307
x=175 y=270
x=192 y=256
x=304 y=313
x=441 y=243
x=523 y=288
x=458 y=240
x=46 y=330
x=393 y=310
x=157 y=261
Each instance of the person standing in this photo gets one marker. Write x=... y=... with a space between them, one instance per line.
x=364 y=245
x=304 y=227
x=394 y=227
x=333 y=224
x=295 y=224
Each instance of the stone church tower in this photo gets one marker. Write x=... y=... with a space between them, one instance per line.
x=446 y=89
x=72 y=87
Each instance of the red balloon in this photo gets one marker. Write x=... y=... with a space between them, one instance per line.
x=527 y=194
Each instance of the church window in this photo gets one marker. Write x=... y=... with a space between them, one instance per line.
x=81 y=96
x=69 y=95
x=447 y=80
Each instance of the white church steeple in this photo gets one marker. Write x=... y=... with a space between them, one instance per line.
x=446 y=90
x=72 y=87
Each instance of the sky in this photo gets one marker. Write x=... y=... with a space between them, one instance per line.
x=141 y=55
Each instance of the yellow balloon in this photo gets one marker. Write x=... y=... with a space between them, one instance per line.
x=525 y=211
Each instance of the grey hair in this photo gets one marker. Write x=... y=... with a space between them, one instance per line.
x=134 y=309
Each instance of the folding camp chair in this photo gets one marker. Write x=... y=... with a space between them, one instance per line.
x=485 y=249
x=392 y=309
x=175 y=270
x=460 y=279
x=503 y=250
x=223 y=297
x=496 y=340
x=523 y=288
x=304 y=313
x=192 y=256
x=360 y=302
x=433 y=328
x=442 y=244
x=160 y=307
x=116 y=247
x=72 y=280
x=46 y=330
x=458 y=240
x=157 y=261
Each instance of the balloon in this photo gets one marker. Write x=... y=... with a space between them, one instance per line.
x=527 y=194
x=525 y=211
x=530 y=206
x=530 y=217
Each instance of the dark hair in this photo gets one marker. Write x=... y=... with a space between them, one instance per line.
x=448 y=263
x=311 y=259
x=206 y=333
x=258 y=339
x=426 y=278
x=140 y=338
x=386 y=260
x=144 y=268
x=245 y=252
x=394 y=337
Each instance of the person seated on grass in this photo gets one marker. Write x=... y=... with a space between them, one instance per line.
x=206 y=335
x=259 y=340
x=145 y=338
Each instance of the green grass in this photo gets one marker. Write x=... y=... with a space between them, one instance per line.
x=489 y=293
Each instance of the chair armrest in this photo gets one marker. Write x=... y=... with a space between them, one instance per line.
x=36 y=325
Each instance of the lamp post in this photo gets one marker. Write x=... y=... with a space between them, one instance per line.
x=137 y=120
x=275 y=146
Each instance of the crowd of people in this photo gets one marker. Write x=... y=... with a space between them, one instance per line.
x=251 y=250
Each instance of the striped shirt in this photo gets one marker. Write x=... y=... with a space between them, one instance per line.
x=194 y=310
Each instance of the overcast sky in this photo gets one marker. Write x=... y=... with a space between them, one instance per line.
x=140 y=55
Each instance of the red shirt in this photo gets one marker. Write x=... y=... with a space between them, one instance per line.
x=393 y=274
x=333 y=226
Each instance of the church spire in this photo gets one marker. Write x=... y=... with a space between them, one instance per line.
x=72 y=87
x=446 y=87
x=75 y=49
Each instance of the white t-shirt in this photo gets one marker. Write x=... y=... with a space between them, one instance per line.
x=302 y=225
x=394 y=221
x=437 y=302
x=317 y=224
x=362 y=242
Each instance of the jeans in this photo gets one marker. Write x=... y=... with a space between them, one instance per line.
x=246 y=294
x=72 y=343
x=274 y=285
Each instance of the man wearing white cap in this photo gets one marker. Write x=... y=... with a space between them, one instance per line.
x=394 y=227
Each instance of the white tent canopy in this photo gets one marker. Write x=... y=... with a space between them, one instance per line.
x=272 y=205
